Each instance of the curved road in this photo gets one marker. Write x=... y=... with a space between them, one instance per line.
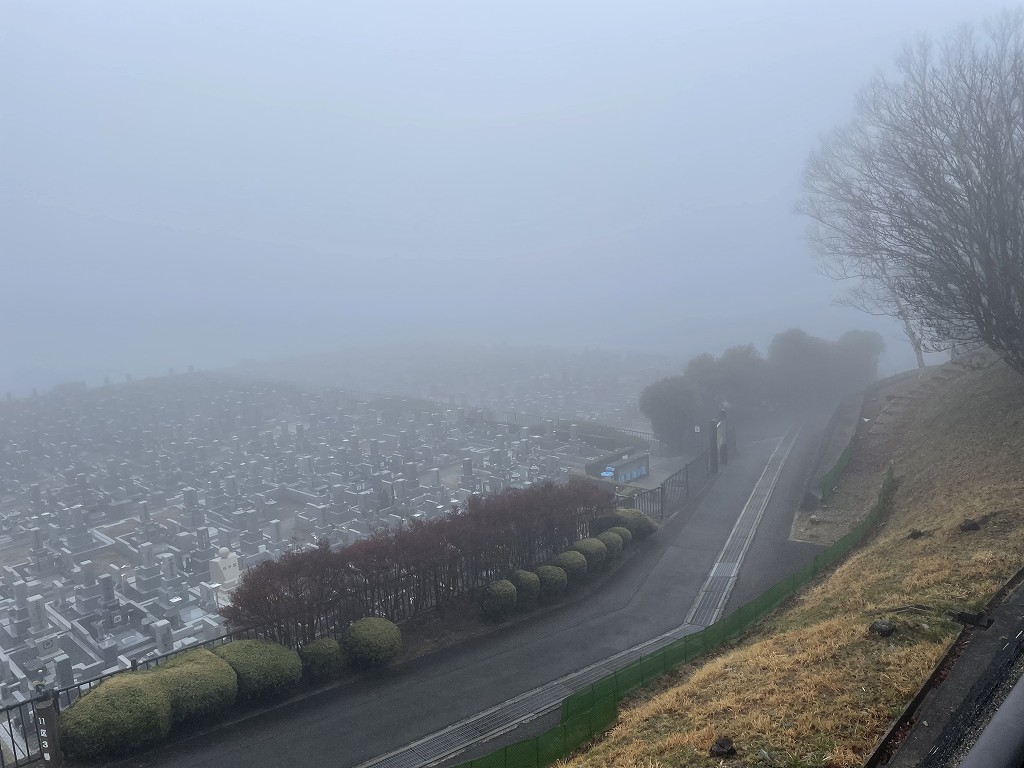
x=651 y=594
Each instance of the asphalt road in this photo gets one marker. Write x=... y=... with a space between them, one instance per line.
x=772 y=556
x=651 y=594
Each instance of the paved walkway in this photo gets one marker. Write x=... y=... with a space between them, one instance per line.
x=706 y=609
x=650 y=597
x=714 y=594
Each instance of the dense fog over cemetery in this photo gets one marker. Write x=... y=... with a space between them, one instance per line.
x=196 y=185
x=475 y=384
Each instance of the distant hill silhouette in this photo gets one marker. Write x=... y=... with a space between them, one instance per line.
x=107 y=297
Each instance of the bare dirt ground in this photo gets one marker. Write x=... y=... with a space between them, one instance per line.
x=887 y=406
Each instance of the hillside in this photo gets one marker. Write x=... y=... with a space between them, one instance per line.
x=810 y=686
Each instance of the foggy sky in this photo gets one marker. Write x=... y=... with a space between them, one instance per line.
x=189 y=182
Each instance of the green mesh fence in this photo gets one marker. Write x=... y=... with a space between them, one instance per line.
x=747 y=616
x=728 y=626
x=577 y=731
x=606 y=687
x=714 y=635
x=578 y=703
x=829 y=481
x=493 y=760
x=629 y=678
x=773 y=597
x=804 y=575
x=550 y=745
x=590 y=712
x=696 y=645
x=675 y=653
x=604 y=714
x=521 y=755
x=652 y=666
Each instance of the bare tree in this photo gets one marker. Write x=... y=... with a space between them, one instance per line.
x=921 y=196
x=874 y=291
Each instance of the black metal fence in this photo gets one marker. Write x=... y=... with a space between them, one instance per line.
x=685 y=484
x=20 y=739
x=19 y=734
x=675 y=491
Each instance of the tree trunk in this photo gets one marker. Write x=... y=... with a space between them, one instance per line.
x=915 y=342
x=912 y=337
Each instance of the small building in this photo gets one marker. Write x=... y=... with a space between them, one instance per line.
x=621 y=467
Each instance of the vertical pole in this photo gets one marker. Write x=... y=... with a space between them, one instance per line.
x=723 y=423
x=46 y=724
x=713 y=447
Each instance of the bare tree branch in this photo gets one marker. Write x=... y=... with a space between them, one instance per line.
x=920 y=199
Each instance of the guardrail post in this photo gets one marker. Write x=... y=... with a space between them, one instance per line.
x=713 y=447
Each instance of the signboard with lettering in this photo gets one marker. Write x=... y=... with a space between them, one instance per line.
x=46 y=725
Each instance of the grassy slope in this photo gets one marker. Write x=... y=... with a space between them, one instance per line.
x=808 y=686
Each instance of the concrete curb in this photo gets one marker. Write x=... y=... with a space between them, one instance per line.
x=884 y=749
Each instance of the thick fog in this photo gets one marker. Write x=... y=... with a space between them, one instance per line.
x=196 y=183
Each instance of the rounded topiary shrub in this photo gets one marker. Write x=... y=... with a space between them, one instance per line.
x=573 y=563
x=527 y=586
x=265 y=670
x=498 y=599
x=603 y=523
x=638 y=524
x=612 y=543
x=373 y=642
x=594 y=550
x=124 y=714
x=553 y=581
x=623 y=534
x=322 y=659
x=200 y=685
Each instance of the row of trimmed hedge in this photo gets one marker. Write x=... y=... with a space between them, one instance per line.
x=547 y=582
x=134 y=710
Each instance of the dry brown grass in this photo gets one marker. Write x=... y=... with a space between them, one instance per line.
x=809 y=687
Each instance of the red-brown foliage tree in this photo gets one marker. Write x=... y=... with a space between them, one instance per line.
x=399 y=572
x=290 y=598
